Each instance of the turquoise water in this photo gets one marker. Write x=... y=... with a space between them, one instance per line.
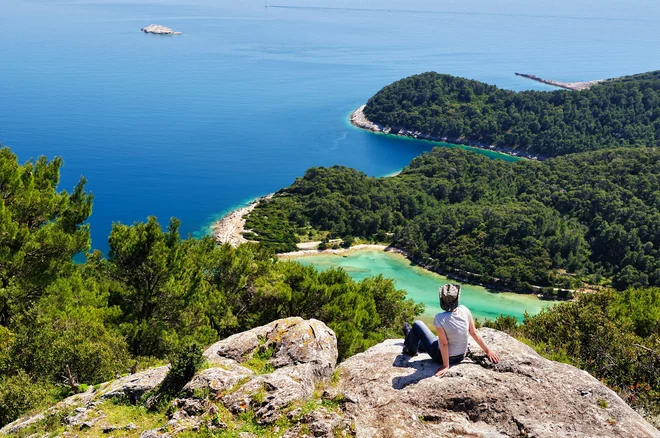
x=249 y=97
x=422 y=286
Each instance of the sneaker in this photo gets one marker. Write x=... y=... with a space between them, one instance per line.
x=407 y=352
x=406 y=328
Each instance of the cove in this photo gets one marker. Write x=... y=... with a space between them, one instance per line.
x=422 y=285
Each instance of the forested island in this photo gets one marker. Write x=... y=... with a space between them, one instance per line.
x=614 y=113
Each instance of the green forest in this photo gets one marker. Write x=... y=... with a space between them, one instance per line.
x=158 y=298
x=66 y=325
x=592 y=217
x=615 y=113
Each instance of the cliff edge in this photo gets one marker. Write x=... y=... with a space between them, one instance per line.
x=281 y=380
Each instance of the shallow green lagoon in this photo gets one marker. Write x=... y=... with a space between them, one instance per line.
x=422 y=286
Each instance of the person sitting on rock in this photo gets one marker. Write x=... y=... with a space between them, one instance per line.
x=452 y=326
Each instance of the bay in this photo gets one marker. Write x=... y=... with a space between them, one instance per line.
x=422 y=286
x=249 y=97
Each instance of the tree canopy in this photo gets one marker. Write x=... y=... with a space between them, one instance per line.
x=593 y=215
x=614 y=113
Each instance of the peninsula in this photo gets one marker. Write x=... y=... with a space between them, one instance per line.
x=159 y=30
x=602 y=114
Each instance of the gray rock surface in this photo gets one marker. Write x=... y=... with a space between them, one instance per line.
x=378 y=393
x=293 y=341
x=217 y=380
x=159 y=29
x=134 y=385
x=302 y=354
x=523 y=395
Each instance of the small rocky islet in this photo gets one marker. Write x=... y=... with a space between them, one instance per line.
x=159 y=29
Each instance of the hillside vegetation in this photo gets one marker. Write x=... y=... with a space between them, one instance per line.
x=615 y=113
x=157 y=297
x=64 y=326
x=594 y=215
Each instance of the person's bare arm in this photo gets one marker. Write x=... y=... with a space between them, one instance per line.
x=443 y=344
x=494 y=357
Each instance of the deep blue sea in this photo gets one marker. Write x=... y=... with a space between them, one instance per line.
x=249 y=97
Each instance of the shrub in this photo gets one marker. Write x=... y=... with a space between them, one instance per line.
x=185 y=363
x=505 y=323
x=18 y=395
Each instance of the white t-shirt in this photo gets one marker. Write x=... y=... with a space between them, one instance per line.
x=457 y=327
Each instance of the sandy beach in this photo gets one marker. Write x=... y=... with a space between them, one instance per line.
x=360 y=120
x=231 y=227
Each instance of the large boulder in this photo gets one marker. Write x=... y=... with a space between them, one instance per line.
x=300 y=352
x=292 y=341
x=523 y=395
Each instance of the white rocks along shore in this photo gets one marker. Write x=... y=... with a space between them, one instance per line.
x=231 y=227
x=360 y=120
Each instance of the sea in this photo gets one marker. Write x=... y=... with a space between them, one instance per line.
x=255 y=92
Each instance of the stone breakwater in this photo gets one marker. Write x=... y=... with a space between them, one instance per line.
x=231 y=227
x=573 y=86
x=159 y=30
x=360 y=120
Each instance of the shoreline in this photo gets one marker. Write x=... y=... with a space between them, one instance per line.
x=360 y=120
x=230 y=228
x=458 y=276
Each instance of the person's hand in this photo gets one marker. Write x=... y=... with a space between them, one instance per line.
x=494 y=357
x=441 y=372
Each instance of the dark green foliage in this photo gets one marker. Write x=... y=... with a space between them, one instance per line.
x=19 y=394
x=594 y=214
x=620 y=112
x=505 y=323
x=183 y=366
x=40 y=230
x=616 y=337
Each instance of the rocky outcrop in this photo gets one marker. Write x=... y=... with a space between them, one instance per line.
x=524 y=395
x=159 y=30
x=281 y=379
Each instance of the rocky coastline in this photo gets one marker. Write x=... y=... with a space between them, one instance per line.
x=231 y=227
x=159 y=29
x=573 y=86
x=360 y=120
